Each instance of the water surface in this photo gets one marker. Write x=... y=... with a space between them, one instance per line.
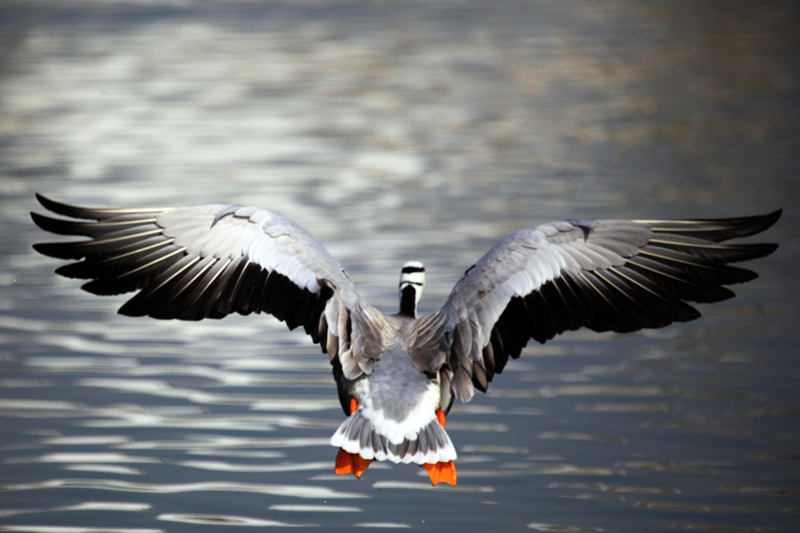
x=397 y=131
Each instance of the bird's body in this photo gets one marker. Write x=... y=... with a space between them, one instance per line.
x=397 y=375
x=399 y=403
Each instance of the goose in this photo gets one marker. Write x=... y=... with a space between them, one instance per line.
x=397 y=375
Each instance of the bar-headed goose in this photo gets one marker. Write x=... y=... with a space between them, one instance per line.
x=397 y=374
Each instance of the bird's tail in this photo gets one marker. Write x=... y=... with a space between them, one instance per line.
x=361 y=443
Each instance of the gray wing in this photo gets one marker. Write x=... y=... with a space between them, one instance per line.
x=607 y=275
x=214 y=260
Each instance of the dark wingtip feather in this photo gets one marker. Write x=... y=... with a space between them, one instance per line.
x=89 y=213
x=68 y=210
x=765 y=249
x=750 y=251
x=772 y=218
x=46 y=248
x=131 y=310
x=72 y=270
x=717 y=230
x=60 y=226
x=60 y=250
x=47 y=203
x=42 y=221
x=759 y=223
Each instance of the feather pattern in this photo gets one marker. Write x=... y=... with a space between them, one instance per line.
x=607 y=275
x=211 y=261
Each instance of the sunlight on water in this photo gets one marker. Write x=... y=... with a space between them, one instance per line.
x=715 y=527
x=82 y=458
x=228 y=467
x=315 y=508
x=66 y=529
x=86 y=506
x=562 y=527
x=171 y=488
x=104 y=469
x=202 y=443
x=426 y=486
x=603 y=487
x=217 y=520
x=383 y=525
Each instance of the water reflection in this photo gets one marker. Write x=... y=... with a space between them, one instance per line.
x=68 y=529
x=561 y=527
x=292 y=491
x=218 y=520
x=695 y=507
x=427 y=487
x=672 y=467
x=82 y=458
x=382 y=525
x=603 y=487
x=715 y=527
x=85 y=506
x=762 y=490
x=221 y=444
x=627 y=407
x=574 y=435
x=296 y=508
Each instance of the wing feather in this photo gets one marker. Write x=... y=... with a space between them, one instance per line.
x=214 y=260
x=607 y=275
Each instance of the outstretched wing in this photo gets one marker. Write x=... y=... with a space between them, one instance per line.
x=606 y=275
x=210 y=261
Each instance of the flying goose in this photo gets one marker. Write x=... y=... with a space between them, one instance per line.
x=397 y=375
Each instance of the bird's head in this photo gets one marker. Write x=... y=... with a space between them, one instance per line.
x=412 y=282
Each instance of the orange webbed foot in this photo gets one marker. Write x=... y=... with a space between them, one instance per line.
x=351 y=463
x=441 y=473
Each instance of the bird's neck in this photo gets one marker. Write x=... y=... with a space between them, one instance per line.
x=408 y=301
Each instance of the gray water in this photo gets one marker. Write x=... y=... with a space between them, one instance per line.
x=396 y=131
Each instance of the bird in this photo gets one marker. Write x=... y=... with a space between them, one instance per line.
x=397 y=375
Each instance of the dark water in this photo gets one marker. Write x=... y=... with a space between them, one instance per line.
x=398 y=131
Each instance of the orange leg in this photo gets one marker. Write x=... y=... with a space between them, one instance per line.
x=441 y=472
x=351 y=463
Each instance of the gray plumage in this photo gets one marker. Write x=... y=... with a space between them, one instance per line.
x=606 y=275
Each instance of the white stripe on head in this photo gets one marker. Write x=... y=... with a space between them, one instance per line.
x=413 y=273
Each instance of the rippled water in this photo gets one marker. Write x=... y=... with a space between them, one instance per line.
x=397 y=131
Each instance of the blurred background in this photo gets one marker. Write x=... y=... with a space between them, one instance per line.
x=396 y=131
